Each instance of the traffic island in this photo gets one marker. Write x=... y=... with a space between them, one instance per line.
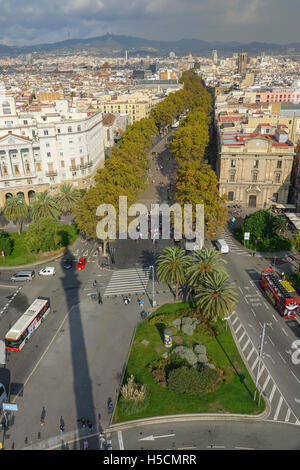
x=205 y=374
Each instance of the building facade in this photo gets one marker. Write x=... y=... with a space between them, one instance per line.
x=41 y=150
x=254 y=170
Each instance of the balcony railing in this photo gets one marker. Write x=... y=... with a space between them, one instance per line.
x=51 y=173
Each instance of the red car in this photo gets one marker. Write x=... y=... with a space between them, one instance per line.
x=81 y=263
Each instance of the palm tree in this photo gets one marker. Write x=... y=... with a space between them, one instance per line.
x=202 y=262
x=16 y=210
x=67 y=198
x=215 y=295
x=171 y=267
x=44 y=205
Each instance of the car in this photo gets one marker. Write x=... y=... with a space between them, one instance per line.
x=23 y=276
x=81 y=263
x=68 y=263
x=48 y=271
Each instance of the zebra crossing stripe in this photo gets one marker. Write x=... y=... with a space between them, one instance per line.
x=288 y=414
x=250 y=354
x=128 y=280
x=266 y=382
x=246 y=344
x=242 y=337
x=238 y=328
x=278 y=408
x=272 y=393
x=254 y=364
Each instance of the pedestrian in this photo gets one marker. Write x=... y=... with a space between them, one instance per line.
x=85 y=445
x=83 y=422
x=43 y=415
x=90 y=426
x=61 y=429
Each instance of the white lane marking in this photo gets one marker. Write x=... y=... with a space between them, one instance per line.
x=272 y=393
x=266 y=305
x=254 y=364
x=278 y=408
x=246 y=344
x=266 y=383
x=270 y=340
x=235 y=320
x=238 y=328
x=240 y=289
x=288 y=415
x=295 y=377
x=261 y=372
x=239 y=340
x=284 y=331
x=282 y=357
x=250 y=354
x=253 y=312
x=276 y=319
x=244 y=448
x=120 y=439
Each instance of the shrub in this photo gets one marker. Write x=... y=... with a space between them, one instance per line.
x=159 y=375
x=134 y=398
x=6 y=244
x=190 y=381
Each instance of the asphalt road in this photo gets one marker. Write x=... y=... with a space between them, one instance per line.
x=208 y=435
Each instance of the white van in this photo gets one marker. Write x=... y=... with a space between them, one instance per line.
x=222 y=246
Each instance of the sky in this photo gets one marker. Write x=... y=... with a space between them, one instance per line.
x=26 y=22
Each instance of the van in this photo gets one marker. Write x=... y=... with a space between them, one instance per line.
x=22 y=276
x=3 y=395
x=222 y=246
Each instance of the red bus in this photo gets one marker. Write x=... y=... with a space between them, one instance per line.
x=280 y=292
x=19 y=334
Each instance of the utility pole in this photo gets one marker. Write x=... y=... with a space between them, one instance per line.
x=260 y=357
x=153 y=301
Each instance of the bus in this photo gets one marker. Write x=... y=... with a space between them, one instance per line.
x=21 y=331
x=280 y=292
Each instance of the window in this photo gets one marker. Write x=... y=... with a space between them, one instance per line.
x=61 y=154
x=46 y=133
x=254 y=176
x=58 y=130
x=47 y=145
x=48 y=154
x=62 y=164
x=277 y=177
x=255 y=164
x=25 y=122
x=16 y=170
x=232 y=176
x=279 y=164
x=70 y=141
x=69 y=129
x=38 y=166
x=78 y=128
x=233 y=163
x=230 y=195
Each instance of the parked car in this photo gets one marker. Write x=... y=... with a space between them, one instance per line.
x=48 y=271
x=22 y=276
x=68 y=263
x=81 y=263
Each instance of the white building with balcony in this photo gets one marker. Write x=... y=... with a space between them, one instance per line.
x=42 y=149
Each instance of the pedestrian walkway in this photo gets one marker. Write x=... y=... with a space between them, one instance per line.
x=233 y=247
x=126 y=281
x=280 y=410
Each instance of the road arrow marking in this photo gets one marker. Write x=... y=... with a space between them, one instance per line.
x=152 y=438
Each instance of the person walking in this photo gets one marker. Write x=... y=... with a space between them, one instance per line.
x=61 y=429
x=85 y=445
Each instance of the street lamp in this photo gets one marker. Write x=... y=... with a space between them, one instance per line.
x=260 y=356
x=153 y=301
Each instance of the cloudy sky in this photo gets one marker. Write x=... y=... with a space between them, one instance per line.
x=24 y=22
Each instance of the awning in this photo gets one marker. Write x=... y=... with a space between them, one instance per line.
x=294 y=218
x=285 y=206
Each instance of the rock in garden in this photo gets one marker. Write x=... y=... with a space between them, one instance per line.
x=176 y=323
x=145 y=342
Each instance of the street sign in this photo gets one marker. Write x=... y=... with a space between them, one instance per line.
x=247 y=236
x=10 y=406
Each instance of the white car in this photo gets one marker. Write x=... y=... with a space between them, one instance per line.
x=49 y=271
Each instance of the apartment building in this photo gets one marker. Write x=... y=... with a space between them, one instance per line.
x=254 y=169
x=42 y=149
x=137 y=105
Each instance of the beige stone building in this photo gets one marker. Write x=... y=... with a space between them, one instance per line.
x=254 y=170
x=138 y=106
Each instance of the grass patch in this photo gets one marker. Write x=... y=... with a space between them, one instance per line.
x=20 y=255
x=234 y=394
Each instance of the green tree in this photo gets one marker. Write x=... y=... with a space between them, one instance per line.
x=44 y=205
x=67 y=198
x=215 y=296
x=6 y=243
x=171 y=266
x=16 y=210
x=45 y=235
x=202 y=262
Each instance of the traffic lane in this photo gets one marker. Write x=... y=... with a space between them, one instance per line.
x=200 y=435
x=278 y=341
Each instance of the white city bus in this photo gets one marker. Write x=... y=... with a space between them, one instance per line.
x=19 y=334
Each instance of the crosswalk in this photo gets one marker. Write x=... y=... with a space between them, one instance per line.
x=280 y=410
x=126 y=281
x=233 y=246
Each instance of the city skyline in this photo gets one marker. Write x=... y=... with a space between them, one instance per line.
x=40 y=22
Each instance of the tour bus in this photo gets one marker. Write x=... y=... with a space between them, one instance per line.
x=21 y=331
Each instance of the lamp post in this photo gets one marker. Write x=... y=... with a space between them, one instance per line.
x=153 y=301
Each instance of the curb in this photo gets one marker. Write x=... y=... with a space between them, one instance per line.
x=37 y=263
x=190 y=417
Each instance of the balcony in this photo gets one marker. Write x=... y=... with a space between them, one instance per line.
x=74 y=167
x=51 y=173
